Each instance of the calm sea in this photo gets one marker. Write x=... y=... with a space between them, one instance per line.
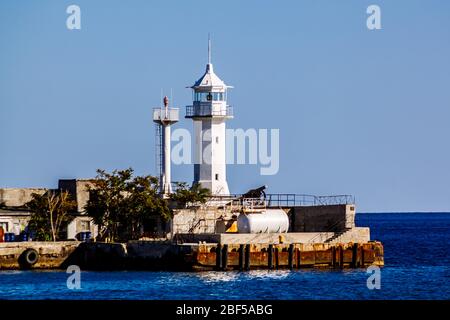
x=417 y=258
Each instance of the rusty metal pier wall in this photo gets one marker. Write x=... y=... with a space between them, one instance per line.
x=286 y=256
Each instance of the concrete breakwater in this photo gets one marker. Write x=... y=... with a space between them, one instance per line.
x=35 y=255
x=165 y=255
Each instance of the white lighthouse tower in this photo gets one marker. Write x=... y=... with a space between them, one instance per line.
x=164 y=118
x=209 y=113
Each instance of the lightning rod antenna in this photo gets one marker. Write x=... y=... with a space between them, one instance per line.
x=209 y=48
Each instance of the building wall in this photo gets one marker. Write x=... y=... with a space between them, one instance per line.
x=218 y=140
x=81 y=224
x=332 y=218
x=202 y=220
x=78 y=189
x=18 y=197
x=322 y=218
x=14 y=223
x=209 y=155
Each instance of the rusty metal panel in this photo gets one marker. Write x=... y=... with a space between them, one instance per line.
x=308 y=258
x=233 y=259
x=323 y=257
x=348 y=255
x=317 y=255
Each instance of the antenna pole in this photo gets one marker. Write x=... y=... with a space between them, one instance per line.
x=209 y=49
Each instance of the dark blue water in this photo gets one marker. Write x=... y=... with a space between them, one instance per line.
x=417 y=259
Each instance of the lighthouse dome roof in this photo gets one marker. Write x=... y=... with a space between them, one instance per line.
x=209 y=80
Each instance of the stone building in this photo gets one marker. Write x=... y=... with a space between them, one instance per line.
x=14 y=216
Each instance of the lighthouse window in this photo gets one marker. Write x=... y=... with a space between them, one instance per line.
x=209 y=96
x=217 y=176
x=202 y=96
x=217 y=139
x=218 y=96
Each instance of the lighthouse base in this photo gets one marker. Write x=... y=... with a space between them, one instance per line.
x=219 y=188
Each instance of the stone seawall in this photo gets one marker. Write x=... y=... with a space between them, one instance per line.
x=48 y=255
x=134 y=255
x=228 y=253
x=148 y=255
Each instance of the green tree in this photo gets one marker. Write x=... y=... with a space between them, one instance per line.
x=49 y=213
x=106 y=201
x=119 y=203
x=190 y=196
x=143 y=202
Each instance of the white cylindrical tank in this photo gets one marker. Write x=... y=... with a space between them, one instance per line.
x=268 y=221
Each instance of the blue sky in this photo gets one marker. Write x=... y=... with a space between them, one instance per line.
x=360 y=112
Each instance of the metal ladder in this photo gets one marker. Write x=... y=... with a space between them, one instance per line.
x=159 y=152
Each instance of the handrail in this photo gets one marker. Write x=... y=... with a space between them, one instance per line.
x=193 y=227
x=275 y=200
x=329 y=229
x=291 y=199
x=208 y=111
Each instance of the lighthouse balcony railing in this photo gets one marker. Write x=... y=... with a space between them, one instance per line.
x=206 y=110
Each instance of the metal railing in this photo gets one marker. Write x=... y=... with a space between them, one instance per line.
x=292 y=200
x=284 y=200
x=162 y=114
x=207 y=110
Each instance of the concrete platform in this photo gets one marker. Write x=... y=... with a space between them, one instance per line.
x=222 y=251
x=50 y=254
x=355 y=235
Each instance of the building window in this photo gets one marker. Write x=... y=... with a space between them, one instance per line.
x=85 y=225
x=4 y=225
x=16 y=228
x=217 y=139
x=217 y=176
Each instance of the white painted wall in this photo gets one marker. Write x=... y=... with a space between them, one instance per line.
x=209 y=151
x=73 y=228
